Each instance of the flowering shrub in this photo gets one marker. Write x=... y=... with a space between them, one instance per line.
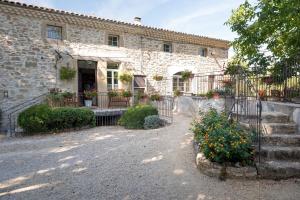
x=222 y=141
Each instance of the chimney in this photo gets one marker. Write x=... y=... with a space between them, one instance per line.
x=137 y=21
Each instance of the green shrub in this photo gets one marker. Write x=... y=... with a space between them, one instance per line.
x=155 y=97
x=113 y=93
x=222 y=141
x=126 y=77
x=134 y=117
x=210 y=94
x=41 y=118
x=126 y=93
x=66 y=118
x=35 y=119
x=67 y=73
x=152 y=122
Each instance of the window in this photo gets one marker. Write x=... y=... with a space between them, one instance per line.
x=180 y=84
x=113 y=40
x=139 y=83
x=54 y=32
x=168 y=47
x=112 y=76
x=203 y=52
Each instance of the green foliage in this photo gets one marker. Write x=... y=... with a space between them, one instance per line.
x=56 y=99
x=177 y=93
x=35 y=119
x=89 y=94
x=222 y=141
x=186 y=74
x=236 y=66
x=67 y=73
x=134 y=117
x=152 y=122
x=126 y=93
x=155 y=97
x=210 y=94
x=268 y=34
x=126 y=77
x=113 y=93
x=41 y=118
x=66 y=118
x=158 y=78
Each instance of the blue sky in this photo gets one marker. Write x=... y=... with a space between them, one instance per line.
x=201 y=17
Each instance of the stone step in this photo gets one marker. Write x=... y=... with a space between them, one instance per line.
x=279 y=169
x=281 y=139
x=279 y=128
x=269 y=153
x=272 y=128
x=275 y=117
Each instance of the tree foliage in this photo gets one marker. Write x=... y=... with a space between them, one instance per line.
x=268 y=33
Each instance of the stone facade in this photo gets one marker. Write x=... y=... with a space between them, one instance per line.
x=28 y=58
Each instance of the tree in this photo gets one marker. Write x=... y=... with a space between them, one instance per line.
x=268 y=34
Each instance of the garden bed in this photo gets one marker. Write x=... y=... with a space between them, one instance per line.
x=214 y=169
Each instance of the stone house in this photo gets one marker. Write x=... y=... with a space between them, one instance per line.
x=37 y=42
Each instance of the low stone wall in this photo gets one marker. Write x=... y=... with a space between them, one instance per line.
x=216 y=170
x=190 y=106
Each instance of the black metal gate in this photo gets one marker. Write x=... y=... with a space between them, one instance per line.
x=165 y=108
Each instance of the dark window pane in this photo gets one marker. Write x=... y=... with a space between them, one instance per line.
x=112 y=66
x=113 y=40
x=54 y=32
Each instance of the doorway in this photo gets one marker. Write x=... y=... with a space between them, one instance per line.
x=87 y=79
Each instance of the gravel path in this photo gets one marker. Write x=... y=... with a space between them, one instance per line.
x=114 y=163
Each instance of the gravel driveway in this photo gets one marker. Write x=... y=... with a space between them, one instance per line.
x=114 y=163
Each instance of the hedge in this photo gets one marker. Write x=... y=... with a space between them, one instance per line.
x=134 y=117
x=41 y=118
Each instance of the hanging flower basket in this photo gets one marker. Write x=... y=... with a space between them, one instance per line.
x=67 y=73
x=126 y=77
x=186 y=74
x=158 y=78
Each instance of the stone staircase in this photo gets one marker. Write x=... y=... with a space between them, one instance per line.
x=280 y=149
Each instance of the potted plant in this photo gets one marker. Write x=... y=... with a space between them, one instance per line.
x=126 y=94
x=67 y=73
x=210 y=94
x=216 y=94
x=262 y=94
x=126 y=77
x=155 y=97
x=88 y=97
x=275 y=95
x=186 y=74
x=158 y=78
x=177 y=93
x=112 y=93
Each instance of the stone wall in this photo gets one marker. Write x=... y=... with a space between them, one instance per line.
x=27 y=58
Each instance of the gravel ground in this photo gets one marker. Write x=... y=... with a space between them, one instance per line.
x=114 y=163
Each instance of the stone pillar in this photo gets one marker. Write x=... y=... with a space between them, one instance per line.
x=102 y=84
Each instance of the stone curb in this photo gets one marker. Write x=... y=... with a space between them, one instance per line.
x=216 y=170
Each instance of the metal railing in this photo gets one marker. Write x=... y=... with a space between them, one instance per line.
x=12 y=112
x=165 y=107
x=246 y=107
